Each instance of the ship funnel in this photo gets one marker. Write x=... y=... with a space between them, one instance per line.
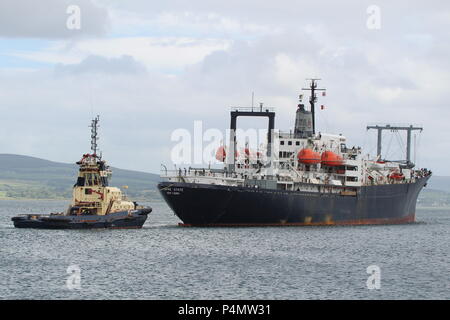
x=303 y=123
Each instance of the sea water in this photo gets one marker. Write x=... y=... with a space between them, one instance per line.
x=165 y=261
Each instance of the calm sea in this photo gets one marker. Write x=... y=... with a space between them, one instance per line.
x=164 y=261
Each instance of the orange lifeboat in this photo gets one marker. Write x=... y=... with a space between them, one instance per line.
x=307 y=156
x=221 y=154
x=329 y=158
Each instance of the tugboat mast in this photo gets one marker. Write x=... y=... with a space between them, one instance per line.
x=94 y=135
x=313 y=99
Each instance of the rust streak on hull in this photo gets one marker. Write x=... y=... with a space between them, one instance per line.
x=405 y=220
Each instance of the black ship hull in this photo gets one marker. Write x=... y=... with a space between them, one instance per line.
x=117 y=220
x=216 y=205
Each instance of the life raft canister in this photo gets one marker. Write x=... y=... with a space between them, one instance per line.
x=307 y=156
x=329 y=158
x=396 y=176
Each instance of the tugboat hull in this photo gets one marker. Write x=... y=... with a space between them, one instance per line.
x=216 y=205
x=118 y=220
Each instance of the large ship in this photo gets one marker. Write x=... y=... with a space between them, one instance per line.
x=303 y=178
x=94 y=203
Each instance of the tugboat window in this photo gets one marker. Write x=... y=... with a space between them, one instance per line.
x=88 y=179
x=80 y=182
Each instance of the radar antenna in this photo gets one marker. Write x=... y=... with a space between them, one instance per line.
x=313 y=99
x=94 y=135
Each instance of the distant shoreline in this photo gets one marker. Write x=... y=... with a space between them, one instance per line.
x=433 y=208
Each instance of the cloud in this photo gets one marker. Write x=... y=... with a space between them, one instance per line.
x=199 y=64
x=98 y=64
x=207 y=24
x=48 y=19
x=166 y=54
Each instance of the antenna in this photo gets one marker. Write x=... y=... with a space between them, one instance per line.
x=91 y=98
x=313 y=99
x=253 y=98
x=94 y=134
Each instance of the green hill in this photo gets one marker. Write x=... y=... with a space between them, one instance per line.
x=33 y=178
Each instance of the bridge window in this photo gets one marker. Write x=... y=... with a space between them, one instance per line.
x=282 y=142
x=92 y=179
x=290 y=143
x=80 y=182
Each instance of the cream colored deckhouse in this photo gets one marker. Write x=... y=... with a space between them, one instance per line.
x=91 y=193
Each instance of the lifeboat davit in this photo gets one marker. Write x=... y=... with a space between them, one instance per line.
x=221 y=154
x=307 y=156
x=251 y=154
x=329 y=158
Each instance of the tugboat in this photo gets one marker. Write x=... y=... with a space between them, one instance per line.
x=94 y=204
x=306 y=178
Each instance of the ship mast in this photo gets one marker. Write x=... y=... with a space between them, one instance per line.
x=313 y=99
x=94 y=135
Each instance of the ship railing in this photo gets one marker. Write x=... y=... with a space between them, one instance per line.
x=253 y=109
x=195 y=172
x=291 y=135
x=286 y=134
x=398 y=124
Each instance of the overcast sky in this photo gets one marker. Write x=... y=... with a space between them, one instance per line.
x=150 y=67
